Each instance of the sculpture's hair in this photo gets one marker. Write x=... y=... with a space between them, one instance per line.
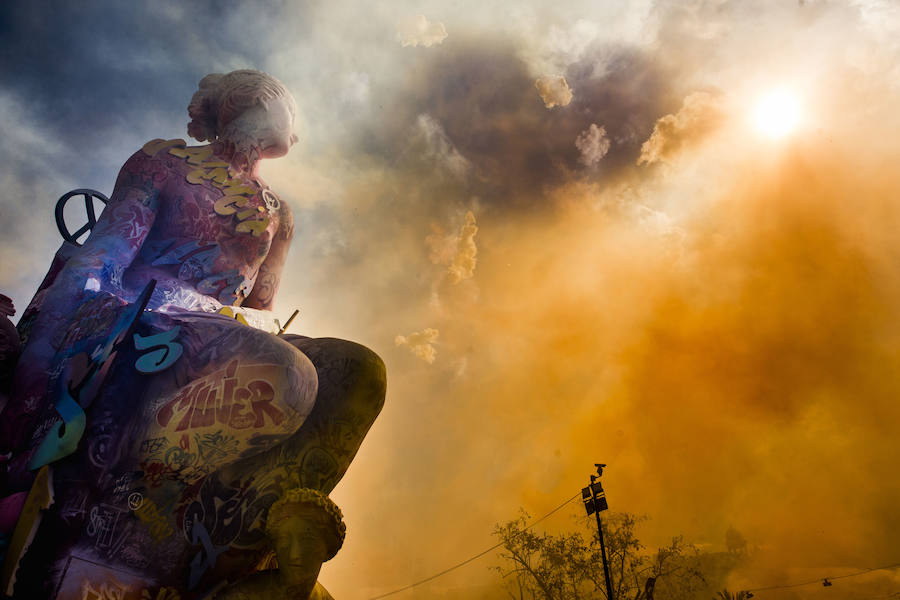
x=220 y=98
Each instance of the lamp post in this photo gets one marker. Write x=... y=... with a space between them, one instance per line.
x=594 y=499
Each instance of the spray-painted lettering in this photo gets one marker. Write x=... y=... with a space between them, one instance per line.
x=238 y=400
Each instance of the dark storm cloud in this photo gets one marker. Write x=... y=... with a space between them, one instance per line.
x=481 y=94
x=92 y=72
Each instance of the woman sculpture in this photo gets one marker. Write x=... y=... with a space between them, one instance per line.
x=171 y=432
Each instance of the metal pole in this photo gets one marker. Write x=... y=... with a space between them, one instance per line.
x=609 y=594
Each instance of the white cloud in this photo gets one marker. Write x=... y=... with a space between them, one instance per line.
x=420 y=343
x=420 y=31
x=554 y=91
x=458 y=252
x=593 y=144
x=439 y=148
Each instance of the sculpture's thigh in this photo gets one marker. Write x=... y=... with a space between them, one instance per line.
x=235 y=393
x=352 y=384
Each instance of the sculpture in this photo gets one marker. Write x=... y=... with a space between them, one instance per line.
x=155 y=417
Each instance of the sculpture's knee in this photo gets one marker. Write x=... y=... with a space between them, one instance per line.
x=291 y=375
x=362 y=372
x=302 y=384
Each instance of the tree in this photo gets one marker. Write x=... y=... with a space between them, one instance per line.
x=726 y=595
x=541 y=566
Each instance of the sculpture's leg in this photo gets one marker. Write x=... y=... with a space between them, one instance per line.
x=352 y=384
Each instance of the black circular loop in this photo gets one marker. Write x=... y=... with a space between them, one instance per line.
x=89 y=196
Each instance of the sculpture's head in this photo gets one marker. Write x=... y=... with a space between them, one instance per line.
x=247 y=114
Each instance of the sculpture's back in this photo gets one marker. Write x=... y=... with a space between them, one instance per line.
x=150 y=426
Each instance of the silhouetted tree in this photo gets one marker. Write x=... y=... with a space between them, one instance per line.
x=541 y=566
x=726 y=595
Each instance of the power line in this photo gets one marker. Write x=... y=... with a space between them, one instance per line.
x=468 y=560
x=759 y=589
x=820 y=579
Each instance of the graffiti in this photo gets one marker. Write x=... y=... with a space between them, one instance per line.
x=123 y=483
x=239 y=398
x=108 y=590
x=95 y=315
x=206 y=558
x=231 y=516
x=197 y=263
x=231 y=314
x=163 y=350
x=157 y=473
x=164 y=593
x=236 y=196
x=135 y=500
x=74 y=506
x=102 y=447
x=84 y=378
x=319 y=470
x=227 y=287
x=154 y=146
x=102 y=524
x=215 y=446
x=155 y=519
x=153 y=446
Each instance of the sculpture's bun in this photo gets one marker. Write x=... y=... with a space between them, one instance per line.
x=223 y=97
x=204 y=109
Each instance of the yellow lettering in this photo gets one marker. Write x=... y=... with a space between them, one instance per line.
x=246 y=214
x=228 y=205
x=234 y=190
x=154 y=146
x=196 y=176
x=218 y=175
x=255 y=227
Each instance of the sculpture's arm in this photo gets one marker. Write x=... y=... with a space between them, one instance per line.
x=120 y=231
x=98 y=265
x=262 y=296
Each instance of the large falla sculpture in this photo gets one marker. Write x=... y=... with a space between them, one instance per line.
x=160 y=439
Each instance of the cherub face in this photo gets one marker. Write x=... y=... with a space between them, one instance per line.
x=269 y=125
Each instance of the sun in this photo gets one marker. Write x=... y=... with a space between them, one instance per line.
x=777 y=114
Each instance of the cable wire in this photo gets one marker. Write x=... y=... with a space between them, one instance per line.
x=820 y=579
x=558 y=508
x=468 y=560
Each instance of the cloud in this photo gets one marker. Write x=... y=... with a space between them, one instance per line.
x=420 y=343
x=699 y=114
x=554 y=91
x=420 y=31
x=457 y=252
x=434 y=144
x=593 y=143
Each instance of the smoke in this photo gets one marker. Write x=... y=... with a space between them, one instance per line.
x=420 y=343
x=457 y=252
x=718 y=324
x=697 y=116
x=554 y=91
x=419 y=30
x=593 y=144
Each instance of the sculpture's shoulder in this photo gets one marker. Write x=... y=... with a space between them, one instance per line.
x=151 y=165
x=158 y=148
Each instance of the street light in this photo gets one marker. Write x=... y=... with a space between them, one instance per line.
x=594 y=499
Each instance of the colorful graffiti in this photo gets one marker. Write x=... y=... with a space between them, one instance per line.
x=145 y=412
x=238 y=396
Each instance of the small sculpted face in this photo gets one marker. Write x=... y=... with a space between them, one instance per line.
x=268 y=126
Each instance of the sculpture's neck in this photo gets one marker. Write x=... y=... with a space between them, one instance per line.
x=244 y=159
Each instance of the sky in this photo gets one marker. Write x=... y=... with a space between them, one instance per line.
x=571 y=234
